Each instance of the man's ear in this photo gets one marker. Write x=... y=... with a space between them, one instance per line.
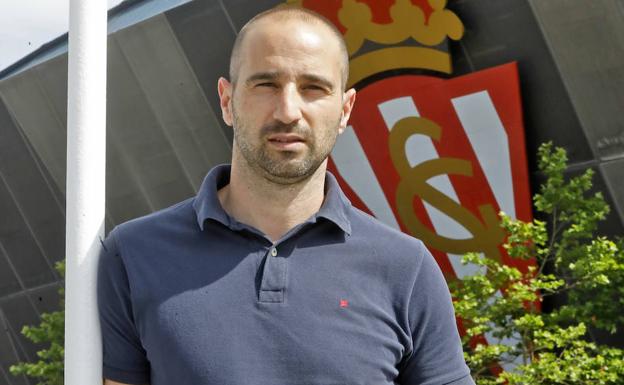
x=348 y=100
x=224 y=87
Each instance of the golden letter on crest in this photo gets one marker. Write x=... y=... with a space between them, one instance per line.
x=486 y=234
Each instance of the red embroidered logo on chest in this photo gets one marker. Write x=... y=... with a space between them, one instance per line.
x=344 y=303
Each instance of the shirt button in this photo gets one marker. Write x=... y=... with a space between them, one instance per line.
x=273 y=252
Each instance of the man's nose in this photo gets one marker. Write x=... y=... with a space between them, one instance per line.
x=288 y=109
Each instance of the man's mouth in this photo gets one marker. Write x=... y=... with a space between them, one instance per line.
x=285 y=138
x=288 y=142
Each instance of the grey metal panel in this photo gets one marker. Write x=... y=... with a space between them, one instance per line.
x=614 y=175
x=127 y=195
x=138 y=136
x=46 y=298
x=19 y=312
x=4 y=372
x=30 y=104
x=612 y=226
x=8 y=356
x=240 y=11
x=4 y=376
x=206 y=37
x=19 y=245
x=8 y=280
x=52 y=76
x=587 y=41
x=34 y=199
x=171 y=89
x=501 y=31
x=26 y=214
x=125 y=199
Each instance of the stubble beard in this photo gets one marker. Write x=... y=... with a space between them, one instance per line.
x=283 y=167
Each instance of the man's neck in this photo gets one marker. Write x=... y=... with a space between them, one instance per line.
x=271 y=207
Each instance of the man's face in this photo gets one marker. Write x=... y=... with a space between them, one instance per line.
x=287 y=106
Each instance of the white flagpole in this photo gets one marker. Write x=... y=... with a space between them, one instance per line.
x=85 y=193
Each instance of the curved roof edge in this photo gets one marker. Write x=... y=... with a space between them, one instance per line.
x=124 y=14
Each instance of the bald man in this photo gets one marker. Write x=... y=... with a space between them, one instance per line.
x=269 y=275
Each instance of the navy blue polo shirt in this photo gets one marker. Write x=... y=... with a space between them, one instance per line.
x=189 y=295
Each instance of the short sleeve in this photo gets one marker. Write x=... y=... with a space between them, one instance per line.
x=124 y=359
x=436 y=357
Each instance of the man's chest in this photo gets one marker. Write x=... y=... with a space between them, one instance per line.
x=328 y=325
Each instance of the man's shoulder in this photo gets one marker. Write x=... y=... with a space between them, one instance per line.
x=175 y=218
x=365 y=223
x=378 y=235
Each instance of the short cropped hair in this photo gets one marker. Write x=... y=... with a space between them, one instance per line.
x=289 y=12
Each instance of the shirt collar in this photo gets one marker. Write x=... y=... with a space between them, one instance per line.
x=207 y=205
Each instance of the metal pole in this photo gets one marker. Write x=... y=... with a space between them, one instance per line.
x=86 y=158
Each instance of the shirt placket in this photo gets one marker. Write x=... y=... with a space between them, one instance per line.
x=273 y=277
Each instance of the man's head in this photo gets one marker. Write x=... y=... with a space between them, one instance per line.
x=288 y=13
x=286 y=99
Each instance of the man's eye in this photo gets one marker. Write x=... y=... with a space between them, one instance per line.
x=266 y=84
x=313 y=87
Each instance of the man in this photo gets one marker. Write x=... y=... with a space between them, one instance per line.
x=269 y=275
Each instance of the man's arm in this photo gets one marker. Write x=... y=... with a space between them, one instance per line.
x=436 y=356
x=111 y=382
x=124 y=358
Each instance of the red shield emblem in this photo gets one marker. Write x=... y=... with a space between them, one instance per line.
x=438 y=159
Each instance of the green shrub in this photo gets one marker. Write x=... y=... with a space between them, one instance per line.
x=503 y=302
x=49 y=368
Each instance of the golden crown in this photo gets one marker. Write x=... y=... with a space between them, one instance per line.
x=392 y=48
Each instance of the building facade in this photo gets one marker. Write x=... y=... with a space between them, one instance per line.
x=562 y=68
